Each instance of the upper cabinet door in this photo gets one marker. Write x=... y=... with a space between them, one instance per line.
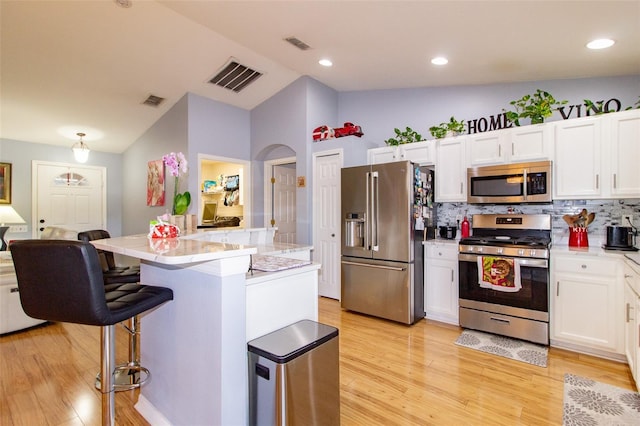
x=514 y=145
x=625 y=152
x=531 y=143
x=576 y=164
x=422 y=153
x=488 y=148
x=386 y=154
x=451 y=171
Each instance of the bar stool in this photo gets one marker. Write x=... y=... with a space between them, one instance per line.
x=128 y=375
x=61 y=280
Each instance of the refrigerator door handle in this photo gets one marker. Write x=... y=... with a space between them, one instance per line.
x=367 y=213
x=369 y=265
x=374 y=211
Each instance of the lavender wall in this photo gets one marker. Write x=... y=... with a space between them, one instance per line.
x=20 y=154
x=169 y=134
x=378 y=112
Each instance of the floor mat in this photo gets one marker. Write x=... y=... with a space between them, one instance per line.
x=507 y=347
x=587 y=402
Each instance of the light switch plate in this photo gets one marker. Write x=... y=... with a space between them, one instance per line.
x=18 y=228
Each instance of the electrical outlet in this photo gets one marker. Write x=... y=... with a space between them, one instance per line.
x=626 y=220
x=18 y=228
x=459 y=218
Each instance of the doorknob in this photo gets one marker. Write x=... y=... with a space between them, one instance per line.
x=333 y=235
x=41 y=220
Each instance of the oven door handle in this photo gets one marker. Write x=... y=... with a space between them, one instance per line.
x=528 y=262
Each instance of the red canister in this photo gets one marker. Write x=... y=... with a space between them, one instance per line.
x=578 y=237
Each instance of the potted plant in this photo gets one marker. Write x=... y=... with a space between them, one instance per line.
x=536 y=107
x=451 y=128
x=402 y=137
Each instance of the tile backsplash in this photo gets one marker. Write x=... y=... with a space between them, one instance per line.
x=608 y=212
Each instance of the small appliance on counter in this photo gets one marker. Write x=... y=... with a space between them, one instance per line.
x=620 y=238
x=448 y=232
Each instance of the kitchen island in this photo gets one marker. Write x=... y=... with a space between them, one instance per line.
x=196 y=345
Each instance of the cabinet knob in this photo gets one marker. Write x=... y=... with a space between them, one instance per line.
x=584 y=266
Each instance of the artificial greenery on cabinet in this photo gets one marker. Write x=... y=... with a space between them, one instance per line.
x=451 y=128
x=404 y=136
x=536 y=107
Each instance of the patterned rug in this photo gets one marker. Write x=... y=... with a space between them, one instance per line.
x=504 y=346
x=591 y=403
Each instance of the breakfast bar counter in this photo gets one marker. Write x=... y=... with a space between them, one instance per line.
x=196 y=345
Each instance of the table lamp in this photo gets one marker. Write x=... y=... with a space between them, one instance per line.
x=7 y=215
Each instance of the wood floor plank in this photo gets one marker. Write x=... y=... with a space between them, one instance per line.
x=390 y=374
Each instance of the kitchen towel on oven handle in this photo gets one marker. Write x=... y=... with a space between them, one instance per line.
x=499 y=273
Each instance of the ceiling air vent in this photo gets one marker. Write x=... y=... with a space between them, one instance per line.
x=298 y=43
x=235 y=76
x=153 y=100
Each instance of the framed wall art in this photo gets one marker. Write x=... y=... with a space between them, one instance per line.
x=5 y=183
x=155 y=183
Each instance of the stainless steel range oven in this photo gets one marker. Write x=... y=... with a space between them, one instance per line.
x=504 y=276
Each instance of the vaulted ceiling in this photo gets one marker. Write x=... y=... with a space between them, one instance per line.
x=87 y=66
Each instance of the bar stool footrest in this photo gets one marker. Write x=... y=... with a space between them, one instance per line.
x=127 y=377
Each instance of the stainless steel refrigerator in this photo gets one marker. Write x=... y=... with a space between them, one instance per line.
x=384 y=214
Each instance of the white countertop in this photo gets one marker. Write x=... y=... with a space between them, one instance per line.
x=172 y=251
x=442 y=241
x=633 y=256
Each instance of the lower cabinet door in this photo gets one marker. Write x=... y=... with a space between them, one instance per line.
x=441 y=291
x=585 y=312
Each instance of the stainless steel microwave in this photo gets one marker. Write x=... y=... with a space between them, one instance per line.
x=510 y=183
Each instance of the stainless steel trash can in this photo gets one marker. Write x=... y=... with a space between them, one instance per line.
x=294 y=376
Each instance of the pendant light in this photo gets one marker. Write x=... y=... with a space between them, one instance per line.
x=80 y=150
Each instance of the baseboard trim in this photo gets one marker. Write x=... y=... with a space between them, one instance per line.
x=150 y=412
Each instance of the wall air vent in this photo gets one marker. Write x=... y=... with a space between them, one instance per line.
x=153 y=100
x=298 y=43
x=235 y=76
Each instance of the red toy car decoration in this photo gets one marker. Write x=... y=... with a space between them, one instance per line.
x=349 y=129
x=325 y=132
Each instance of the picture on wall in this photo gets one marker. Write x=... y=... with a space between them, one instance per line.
x=5 y=183
x=155 y=183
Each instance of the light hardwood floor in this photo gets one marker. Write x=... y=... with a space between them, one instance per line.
x=390 y=374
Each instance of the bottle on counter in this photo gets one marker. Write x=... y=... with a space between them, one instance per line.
x=465 y=228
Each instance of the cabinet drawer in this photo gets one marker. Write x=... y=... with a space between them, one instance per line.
x=585 y=265
x=442 y=251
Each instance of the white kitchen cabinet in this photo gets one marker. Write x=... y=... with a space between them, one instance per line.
x=441 y=281
x=451 y=170
x=12 y=317
x=487 y=148
x=632 y=319
x=531 y=143
x=422 y=153
x=576 y=166
x=513 y=145
x=624 y=173
x=587 y=304
x=386 y=154
x=597 y=157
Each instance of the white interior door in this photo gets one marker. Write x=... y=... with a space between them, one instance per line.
x=326 y=222
x=68 y=196
x=284 y=202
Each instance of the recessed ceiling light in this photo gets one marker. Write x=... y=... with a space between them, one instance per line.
x=439 y=60
x=325 y=62
x=601 y=43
